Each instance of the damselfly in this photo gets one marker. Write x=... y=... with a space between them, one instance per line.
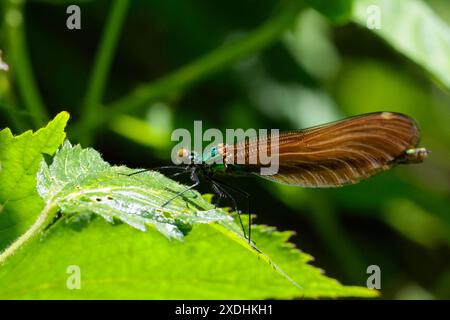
x=330 y=155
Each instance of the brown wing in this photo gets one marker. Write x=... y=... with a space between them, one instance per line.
x=337 y=153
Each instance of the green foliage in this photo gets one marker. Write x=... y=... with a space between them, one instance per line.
x=117 y=261
x=20 y=157
x=120 y=262
x=413 y=29
x=337 y=10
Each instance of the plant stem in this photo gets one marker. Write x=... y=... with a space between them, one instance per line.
x=103 y=59
x=20 y=62
x=335 y=238
x=210 y=63
x=15 y=115
x=44 y=218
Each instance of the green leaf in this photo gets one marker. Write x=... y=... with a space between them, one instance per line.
x=20 y=157
x=413 y=29
x=338 y=11
x=79 y=180
x=117 y=262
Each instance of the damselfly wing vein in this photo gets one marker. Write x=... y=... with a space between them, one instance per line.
x=334 y=154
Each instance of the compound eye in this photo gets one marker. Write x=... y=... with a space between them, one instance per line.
x=183 y=153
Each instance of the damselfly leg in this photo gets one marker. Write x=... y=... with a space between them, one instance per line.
x=155 y=169
x=194 y=177
x=222 y=186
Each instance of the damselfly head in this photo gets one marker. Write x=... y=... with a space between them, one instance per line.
x=188 y=157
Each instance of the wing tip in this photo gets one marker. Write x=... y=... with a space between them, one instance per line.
x=411 y=122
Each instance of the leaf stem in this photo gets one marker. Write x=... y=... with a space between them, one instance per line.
x=103 y=59
x=15 y=115
x=20 y=62
x=44 y=218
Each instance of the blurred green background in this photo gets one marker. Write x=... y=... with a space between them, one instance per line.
x=139 y=69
